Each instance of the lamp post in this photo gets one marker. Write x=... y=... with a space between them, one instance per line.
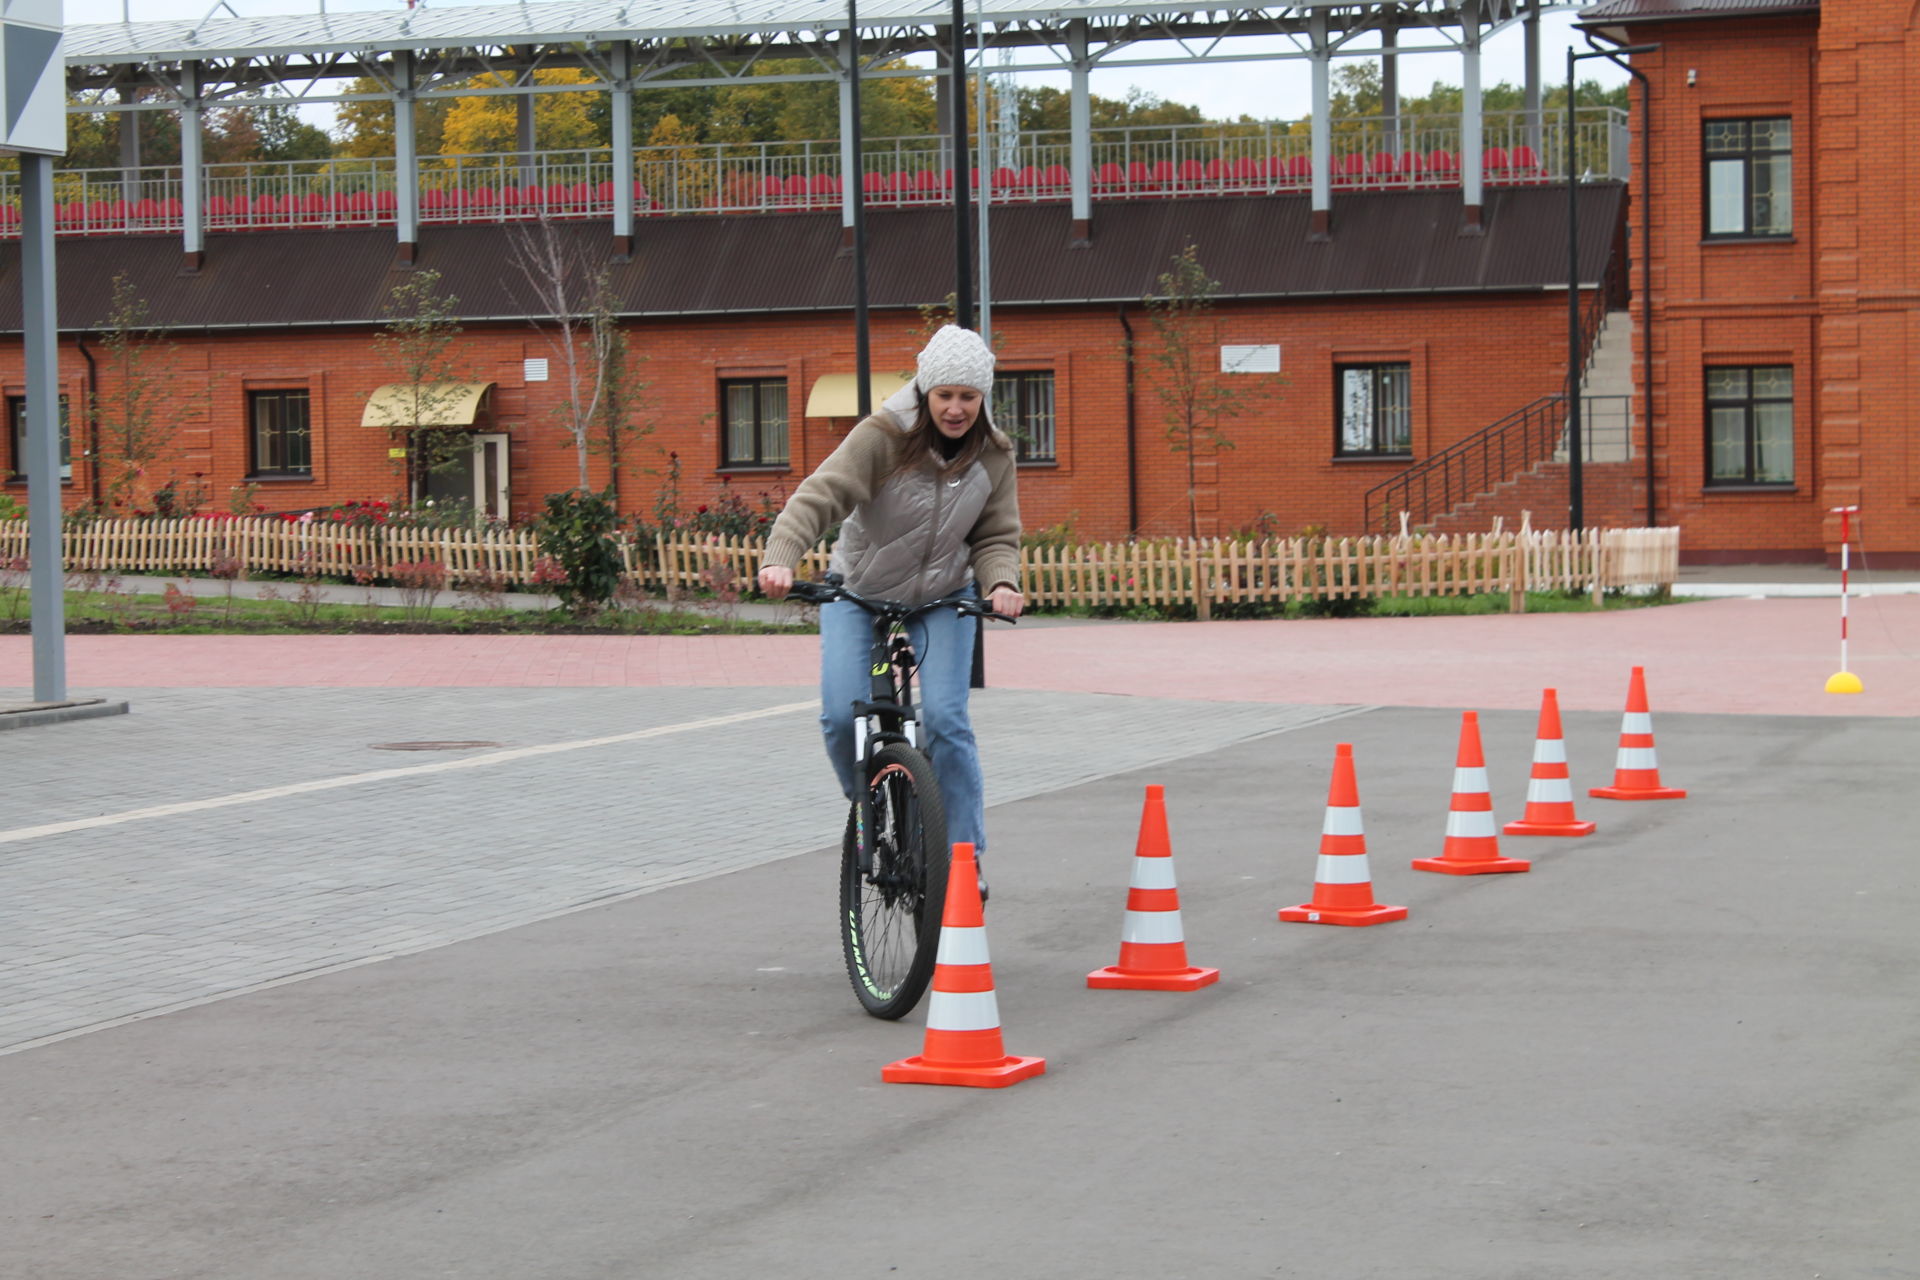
x=962 y=179
x=1576 y=438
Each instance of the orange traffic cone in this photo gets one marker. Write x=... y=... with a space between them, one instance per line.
x=1342 y=886
x=1636 y=770
x=1471 y=848
x=1549 y=793
x=1153 y=949
x=963 y=1020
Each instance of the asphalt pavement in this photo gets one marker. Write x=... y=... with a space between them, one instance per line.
x=283 y=1001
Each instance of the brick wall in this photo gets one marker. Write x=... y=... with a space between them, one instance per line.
x=1473 y=359
x=1836 y=301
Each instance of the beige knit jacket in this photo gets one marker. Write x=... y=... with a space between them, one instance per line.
x=902 y=539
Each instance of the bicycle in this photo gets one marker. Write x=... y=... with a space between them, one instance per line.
x=894 y=855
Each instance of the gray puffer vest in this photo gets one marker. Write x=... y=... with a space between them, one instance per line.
x=909 y=541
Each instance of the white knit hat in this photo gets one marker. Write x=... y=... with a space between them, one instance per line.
x=955 y=357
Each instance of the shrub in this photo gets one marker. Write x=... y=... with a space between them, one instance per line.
x=580 y=531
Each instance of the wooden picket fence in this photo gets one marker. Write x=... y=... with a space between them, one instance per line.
x=1202 y=573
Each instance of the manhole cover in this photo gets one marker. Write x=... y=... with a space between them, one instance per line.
x=431 y=746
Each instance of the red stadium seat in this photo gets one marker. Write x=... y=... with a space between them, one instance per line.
x=1192 y=173
x=1382 y=166
x=1109 y=176
x=1300 y=168
x=823 y=187
x=1218 y=171
x=1442 y=164
x=1162 y=173
x=220 y=207
x=795 y=188
x=1057 y=177
x=1249 y=169
x=1413 y=166
x=1494 y=162
x=1525 y=162
x=1139 y=176
x=928 y=184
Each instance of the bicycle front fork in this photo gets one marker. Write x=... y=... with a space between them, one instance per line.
x=866 y=729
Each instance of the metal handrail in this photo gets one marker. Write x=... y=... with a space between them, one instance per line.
x=1494 y=453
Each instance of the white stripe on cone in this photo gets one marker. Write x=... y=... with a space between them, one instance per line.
x=1153 y=873
x=1342 y=820
x=1469 y=779
x=1470 y=823
x=962 y=946
x=1550 y=751
x=1637 y=758
x=1636 y=722
x=1549 y=791
x=963 y=1011
x=1342 y=868
x=1152 y=927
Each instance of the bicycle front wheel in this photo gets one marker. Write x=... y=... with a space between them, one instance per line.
x=890 y=912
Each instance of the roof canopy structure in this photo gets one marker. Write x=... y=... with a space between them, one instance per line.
x=714 y=42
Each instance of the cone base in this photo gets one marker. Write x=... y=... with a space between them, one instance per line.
x=1307 y=913
x=1471 y=866
x=1844 y=682
x=1114 y=978
x=988 y=1075
x=1525 y=828
x=1638 y=793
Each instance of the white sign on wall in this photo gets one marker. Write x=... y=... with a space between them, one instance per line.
x=1250 y=359
x=33 y=77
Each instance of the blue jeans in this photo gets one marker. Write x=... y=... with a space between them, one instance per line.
x=943 y=641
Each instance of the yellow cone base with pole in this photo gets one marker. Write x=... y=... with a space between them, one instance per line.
x=1844 y=682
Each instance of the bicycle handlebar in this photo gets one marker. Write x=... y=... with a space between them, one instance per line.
x=835 y=588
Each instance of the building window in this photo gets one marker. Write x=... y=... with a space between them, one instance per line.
x=1376 y=410
x=282 y=433
x=1023 y=408
x=17 y=416
x=1749 y=167
x=756 y=412
x=1750 y=425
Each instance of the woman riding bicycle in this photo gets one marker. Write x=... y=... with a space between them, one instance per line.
x=926 y=490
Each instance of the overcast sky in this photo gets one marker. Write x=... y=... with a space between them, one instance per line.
x=1222 y=90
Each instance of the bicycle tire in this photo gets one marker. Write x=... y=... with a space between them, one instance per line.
x=890 y=918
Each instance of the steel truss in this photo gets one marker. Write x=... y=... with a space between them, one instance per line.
x=106 y=74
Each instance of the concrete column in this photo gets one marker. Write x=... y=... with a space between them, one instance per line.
x=193 y=232
x=129 y=126
x=851 y=174
x=1322 y=140
x=1390 y=88
x=1530 y=32
x=622 y=104
x=1080 y=133
x=523 y=135
x=1472 y=179
x=406 y=160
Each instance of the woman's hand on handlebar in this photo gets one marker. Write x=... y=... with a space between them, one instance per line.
x=1006 y=600
x=775 y=581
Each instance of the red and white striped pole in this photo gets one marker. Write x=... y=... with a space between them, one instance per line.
x=1843 y=680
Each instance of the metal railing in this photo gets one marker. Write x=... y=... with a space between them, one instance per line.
x=1127 y=163
x=1493 y=455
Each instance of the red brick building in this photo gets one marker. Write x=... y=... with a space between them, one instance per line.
x=1395 y=337
x=1781 y=212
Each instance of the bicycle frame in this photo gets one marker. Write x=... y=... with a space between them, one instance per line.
x=887 y=714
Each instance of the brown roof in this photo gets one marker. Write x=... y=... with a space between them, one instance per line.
x=1256 y=246
x=1614 y=12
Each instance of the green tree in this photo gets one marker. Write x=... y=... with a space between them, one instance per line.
x=416 y=345
x=139 y=401
x=1196 y=399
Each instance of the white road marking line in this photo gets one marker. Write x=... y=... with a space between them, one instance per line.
x=406 y=771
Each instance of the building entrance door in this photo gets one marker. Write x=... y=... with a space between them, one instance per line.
x=477 y=478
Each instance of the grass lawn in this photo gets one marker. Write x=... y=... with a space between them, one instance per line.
x=205 y=609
